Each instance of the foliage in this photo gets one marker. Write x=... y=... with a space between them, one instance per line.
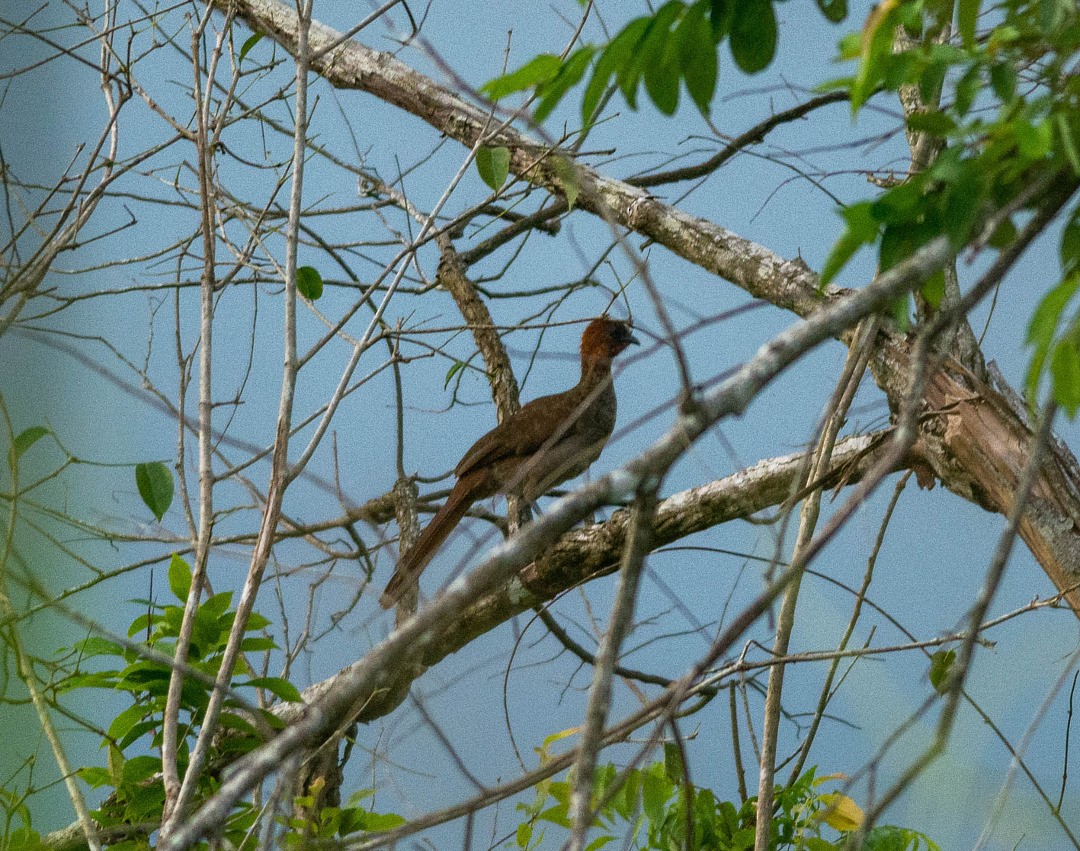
x=1001 y=132
x=646 y=808
x=1002 y=137
x=677 y=43
x=131 y=776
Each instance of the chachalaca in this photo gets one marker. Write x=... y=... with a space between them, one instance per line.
x=550 y=440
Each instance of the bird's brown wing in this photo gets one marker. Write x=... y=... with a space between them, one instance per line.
x=522 y=434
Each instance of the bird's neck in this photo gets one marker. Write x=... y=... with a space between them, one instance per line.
x=595 y=370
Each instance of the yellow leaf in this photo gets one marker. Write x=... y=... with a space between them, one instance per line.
x=544 y=751
x=841 y=812
x=827 y=777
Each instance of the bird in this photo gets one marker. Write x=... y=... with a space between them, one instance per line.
x=548 y=441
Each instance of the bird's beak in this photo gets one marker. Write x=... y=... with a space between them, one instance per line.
x=634 y=340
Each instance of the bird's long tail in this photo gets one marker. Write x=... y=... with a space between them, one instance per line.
x=416 y=558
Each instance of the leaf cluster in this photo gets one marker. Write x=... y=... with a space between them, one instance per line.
x=677 y=44
x=132 y=771
x=647 y=808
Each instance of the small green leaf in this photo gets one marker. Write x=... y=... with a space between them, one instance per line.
x=1068 y=141
x=537 y=70
x=697 y=57
x=862 y=229
x=933 y=122
x=278 y=686
x=932 y=80
x=933 y=289
x=834 y=10
x=566 y=174
x=654 y=796
x=941 y=664
x=493 y=165
x=673 y=766
x=721 y=14
x=309 y=282
x=1065 y=368
x=753 y=35
x=1033 y=140
x=966 y=90
x=95 y=645
x=25 y=439
x=455 y=368
x=1003 y=234
x=383 y=821
x=1003 y=80
x=901 y=313
x=616 y=57
x=1070 y=241
x=179 y=578
x=155 y=483
x=127 y=719
x=658 y=58
x=93 y=775
x=251 y=41
x=551 y=92
x=967 y=15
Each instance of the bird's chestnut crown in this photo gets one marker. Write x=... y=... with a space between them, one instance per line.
x=604 y=338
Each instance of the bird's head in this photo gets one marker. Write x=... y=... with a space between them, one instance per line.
x=604 y=338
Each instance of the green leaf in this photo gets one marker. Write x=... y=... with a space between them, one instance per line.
x=1033 y=140
x=155 y=483
x=721 y=14
x=962 y=207
x=537 y=70
x=862 y=229
x=753 y=35
x=551 y=92
x=1068 y=141
x=1070 y=241
x=941 y=663
x=94 y=776
x=673 y=767
x=966 y=90
x=967 y=15
x=932 y=80
x=659 y=60
x=933 y=289
x=654 y=795
x=179 y=578
x=697 y=57
x=566 y=175
x=382 y=821
x=875 y=48
x=1003 y=234
x=834 y=10
x=493 y=165
x=251 y=41
x=901 y=313
x=25 y=439
x=455 y=368
x=126 y=720
x=95 y=645
x=309 y=282
x=278 y=686
x=933 y=122
x=616 y=57
x=1065 y=368
x=1003 y=80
